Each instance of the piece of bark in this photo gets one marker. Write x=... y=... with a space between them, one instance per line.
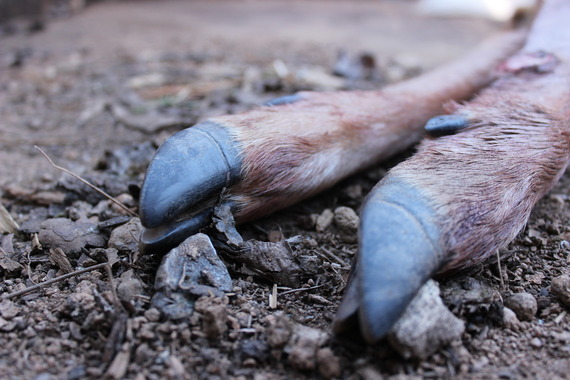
x=58 y=257
x=275 y=262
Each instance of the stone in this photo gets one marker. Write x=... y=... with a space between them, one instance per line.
x=426 y=325
x=129 y=287
x=561 y=288
x=328 y=363
x=187 y=272
x=279 y=330
x=126 y=238
x=510 y=319
x=523 y=304
x=346 y=219
x=303 y=346
x=214 y=316
x=324 y=220
x=72 y=237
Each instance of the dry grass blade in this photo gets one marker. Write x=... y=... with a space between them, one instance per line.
x=7 y=223
x=86 y=182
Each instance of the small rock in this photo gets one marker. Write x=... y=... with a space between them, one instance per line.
x=563 y=336
x=176 y=369
x=279 y=331
x=311 y=264
x=126 y=238
x=152 y=314
x=346 y=219
x=329 y=363
x=71 y=237
x=426 y=325
x=510 y=319
x=10 y=267
x=536 y=342
x=189 y=271
x=523 y=304
x=8 y=309
x=253 y=349
x=81 y=301
x=324 y=220
x=347 y=222
x=215 y=316
x=561 y=288
x=129 y=287
x=303 y=345
x=370 y=373
x=7 y=326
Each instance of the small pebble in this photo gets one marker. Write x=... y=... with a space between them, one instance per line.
x=561 y=288
x=303 y=345
x=71 y=237
x=214 y=316
x=510 y=319
x=347 y=222
x=346 y=219
x=8 y=309
x=279 y=331
x=152 y=314
x=125 y=238
x=523 y=304
x=324 y=220
x=536 y=342
x=426 y=325
x=129 y=287
x=329 y=363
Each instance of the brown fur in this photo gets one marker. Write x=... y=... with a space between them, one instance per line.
x=485 y=180
x=291 y=152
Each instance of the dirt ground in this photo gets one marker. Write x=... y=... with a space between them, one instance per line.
x=98 y=91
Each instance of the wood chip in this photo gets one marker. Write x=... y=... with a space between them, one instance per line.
x=273 y=298
x=58 y=257
x=120 y=363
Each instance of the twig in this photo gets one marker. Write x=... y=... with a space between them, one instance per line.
x=300 y=289
x=334 y=257
x=500 y=271
x=86 y=182
x=52 y=281
x=116 y=300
